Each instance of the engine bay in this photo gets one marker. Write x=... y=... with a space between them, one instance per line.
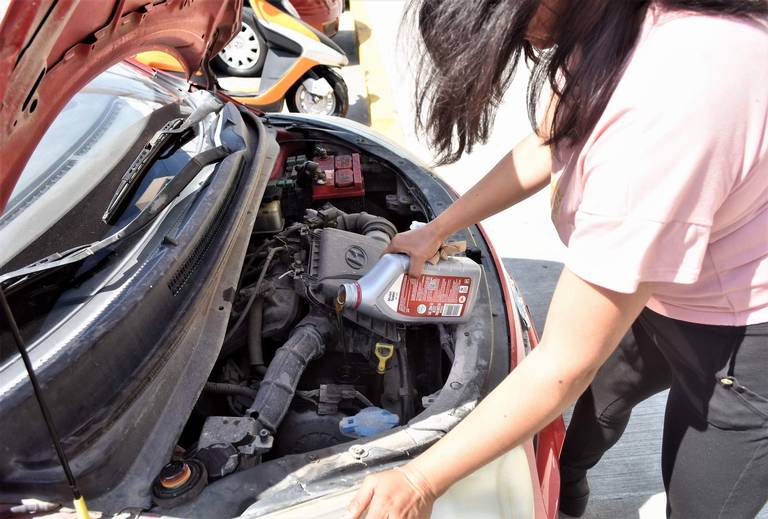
x=296 y=373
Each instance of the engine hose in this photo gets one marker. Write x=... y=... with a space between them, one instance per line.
x=255 y=291
x=255 y=350
x=222 y=388
x=446 y=342
x=278 y=388
x=370 y=225
x=376 y=227
x=405 y=382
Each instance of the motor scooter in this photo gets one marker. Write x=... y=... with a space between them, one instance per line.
x=276 y=58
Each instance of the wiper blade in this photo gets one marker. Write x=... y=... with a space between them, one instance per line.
x=155 y=207
x=140 y=166
x=163 y=144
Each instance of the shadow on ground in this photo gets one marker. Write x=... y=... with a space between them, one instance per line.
x=347 y=40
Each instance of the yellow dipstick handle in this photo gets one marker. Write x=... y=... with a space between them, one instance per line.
x=383 y=352
x=81 y=510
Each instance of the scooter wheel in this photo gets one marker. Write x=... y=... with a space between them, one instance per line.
x=244 y=56
x=300 y=100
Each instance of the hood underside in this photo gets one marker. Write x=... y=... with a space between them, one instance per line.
x=50 y=49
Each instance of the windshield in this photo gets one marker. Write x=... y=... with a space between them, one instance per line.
x=88 y=139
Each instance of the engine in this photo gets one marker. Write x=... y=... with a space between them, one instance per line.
x=294 y=374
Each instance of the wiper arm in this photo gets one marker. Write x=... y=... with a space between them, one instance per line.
x=155 y=207
x=174 y=134
x=141 y=165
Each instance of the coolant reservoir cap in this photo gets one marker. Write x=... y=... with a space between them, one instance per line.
x=368 y=422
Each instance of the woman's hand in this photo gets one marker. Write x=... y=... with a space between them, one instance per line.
x=521 y=173
x=395 y=494
x=419 y=244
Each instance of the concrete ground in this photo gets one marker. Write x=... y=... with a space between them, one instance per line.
x=627 y=482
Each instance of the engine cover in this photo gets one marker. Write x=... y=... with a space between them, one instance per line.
x=340 y=256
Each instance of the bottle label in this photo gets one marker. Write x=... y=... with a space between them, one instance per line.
x=429 y=296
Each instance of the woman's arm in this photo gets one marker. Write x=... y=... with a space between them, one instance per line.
x=584 y=325
x=521 y=173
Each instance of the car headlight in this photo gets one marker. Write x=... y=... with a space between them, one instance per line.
x=503 y=488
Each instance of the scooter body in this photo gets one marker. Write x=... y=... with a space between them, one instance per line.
x=298 y=69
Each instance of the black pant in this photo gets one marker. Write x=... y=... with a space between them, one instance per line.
x=715 y=447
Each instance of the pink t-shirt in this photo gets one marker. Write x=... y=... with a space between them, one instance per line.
x=671 y=187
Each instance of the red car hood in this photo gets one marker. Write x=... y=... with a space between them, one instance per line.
x=51 y=49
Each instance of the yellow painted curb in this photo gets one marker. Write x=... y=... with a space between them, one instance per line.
x=383 y=114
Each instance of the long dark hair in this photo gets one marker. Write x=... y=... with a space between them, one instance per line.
x=472 y=48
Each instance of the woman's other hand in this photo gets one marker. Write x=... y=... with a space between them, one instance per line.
x=395 y=494
x=419 y=244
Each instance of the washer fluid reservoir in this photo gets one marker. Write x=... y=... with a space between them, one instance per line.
x=444 y=293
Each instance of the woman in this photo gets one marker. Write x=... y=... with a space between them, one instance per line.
x=656 y=148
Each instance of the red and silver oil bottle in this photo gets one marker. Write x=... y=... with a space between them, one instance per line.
x=444 y=293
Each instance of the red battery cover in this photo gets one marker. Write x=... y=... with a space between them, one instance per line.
x=434 y=296
x=343 y=178
x=344 y=161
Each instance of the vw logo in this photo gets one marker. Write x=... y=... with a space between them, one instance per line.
x=356 y=257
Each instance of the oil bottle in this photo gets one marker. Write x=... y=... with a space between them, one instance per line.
x=444 y=293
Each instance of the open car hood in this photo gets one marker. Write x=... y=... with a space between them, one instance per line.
x=50 y=49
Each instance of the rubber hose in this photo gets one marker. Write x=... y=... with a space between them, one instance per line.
x=255 y=350
x=446 y=342
x=222 y=388
x=256 y=291
x=405 y=388
x=277 y=389
x=370 y=225
x=376 y=227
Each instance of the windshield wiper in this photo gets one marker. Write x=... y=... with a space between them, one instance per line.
x=162 y=145
x=162 y=141
x=162 y=200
